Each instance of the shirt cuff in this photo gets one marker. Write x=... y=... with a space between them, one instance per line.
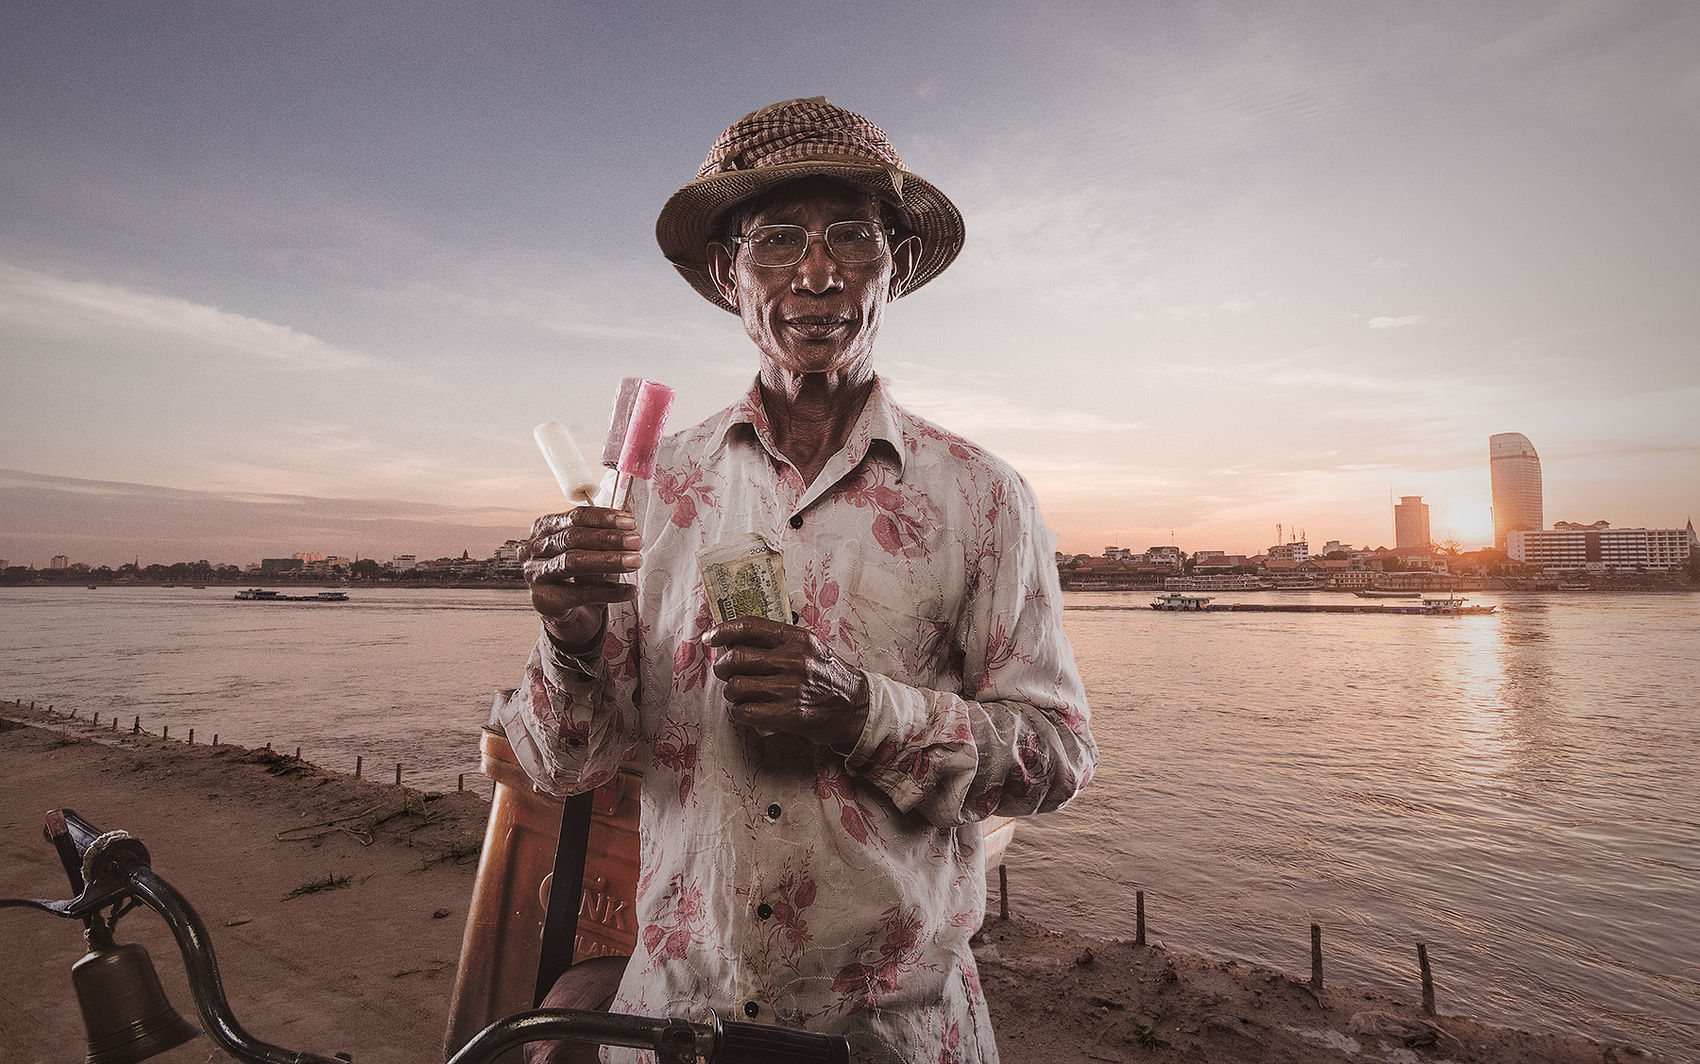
x=565 y=669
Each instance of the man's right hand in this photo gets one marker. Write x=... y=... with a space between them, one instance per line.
x=572 y=562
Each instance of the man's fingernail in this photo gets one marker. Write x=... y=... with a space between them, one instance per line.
x=631 y=561
x=631 y=541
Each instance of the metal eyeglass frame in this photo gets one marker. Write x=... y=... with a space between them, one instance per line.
x=886 y=233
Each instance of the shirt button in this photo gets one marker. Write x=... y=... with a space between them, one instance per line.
x=796 y=520
x=751 y=1009
x=764 y=910
x=773 y=812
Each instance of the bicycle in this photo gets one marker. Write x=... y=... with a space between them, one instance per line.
x=111 y=875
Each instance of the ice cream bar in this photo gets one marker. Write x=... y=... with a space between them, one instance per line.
x=617 y=423
x=644 y=427
x=578 y=478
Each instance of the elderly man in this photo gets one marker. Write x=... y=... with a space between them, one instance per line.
x=811 y=848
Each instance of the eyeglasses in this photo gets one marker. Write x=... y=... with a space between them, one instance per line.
x=785 y=245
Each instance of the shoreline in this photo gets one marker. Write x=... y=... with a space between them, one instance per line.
x=237 y=830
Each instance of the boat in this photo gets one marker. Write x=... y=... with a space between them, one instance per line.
x=1177 y=602
x=255 y=594
x=1376 y=593
x=1452 y=605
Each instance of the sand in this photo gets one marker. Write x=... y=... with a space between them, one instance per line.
x=365 y=966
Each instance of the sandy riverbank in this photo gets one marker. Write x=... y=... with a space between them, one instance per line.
x=366 y=968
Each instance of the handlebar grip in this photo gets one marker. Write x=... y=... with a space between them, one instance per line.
x=756 y=1043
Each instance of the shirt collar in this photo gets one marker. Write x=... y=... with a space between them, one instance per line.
x=880 y=420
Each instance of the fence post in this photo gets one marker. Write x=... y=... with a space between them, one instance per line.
x=1428 y=979
x=1316 y=956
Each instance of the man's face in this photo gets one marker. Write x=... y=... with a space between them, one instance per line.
x=820 y=315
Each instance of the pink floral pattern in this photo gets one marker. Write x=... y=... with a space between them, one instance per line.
x=834 y=889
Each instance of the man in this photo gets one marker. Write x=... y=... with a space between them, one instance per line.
x=810 y=843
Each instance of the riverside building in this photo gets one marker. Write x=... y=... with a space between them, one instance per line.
x=1410 y=522
x=1515 y=471
x=1599 y=546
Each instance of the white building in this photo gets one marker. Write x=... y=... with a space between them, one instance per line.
x=1599 y=547
x=405 y=563
x=1296 y=551
x=1170 y=556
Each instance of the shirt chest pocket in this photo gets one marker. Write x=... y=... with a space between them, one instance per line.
x=907 y=608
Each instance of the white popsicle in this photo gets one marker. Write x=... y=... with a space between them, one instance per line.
x=578 y=478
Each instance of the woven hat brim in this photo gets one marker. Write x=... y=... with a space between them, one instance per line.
x=686 y=223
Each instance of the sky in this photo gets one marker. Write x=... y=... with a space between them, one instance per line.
x=281 y=277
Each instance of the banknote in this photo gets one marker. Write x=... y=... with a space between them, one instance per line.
x=745 y=577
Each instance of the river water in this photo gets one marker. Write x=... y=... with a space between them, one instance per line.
x=1516 y=791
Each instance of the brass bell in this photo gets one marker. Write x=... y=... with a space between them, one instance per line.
x=124 y=1007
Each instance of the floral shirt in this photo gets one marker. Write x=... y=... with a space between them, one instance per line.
x=792 y=883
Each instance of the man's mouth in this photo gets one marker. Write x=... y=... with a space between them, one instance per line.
x=817 y=327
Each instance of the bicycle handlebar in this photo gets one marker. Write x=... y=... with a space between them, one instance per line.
x=108 y=868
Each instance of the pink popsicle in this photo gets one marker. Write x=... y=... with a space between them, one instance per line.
x=621 y=418
x=643 y=431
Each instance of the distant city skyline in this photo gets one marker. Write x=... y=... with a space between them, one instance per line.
x=281 y=278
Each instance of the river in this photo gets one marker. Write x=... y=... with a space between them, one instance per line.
x=1517 y=791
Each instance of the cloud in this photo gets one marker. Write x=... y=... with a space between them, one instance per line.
x=58 y=305
x=108 y=522
x=1403 y=322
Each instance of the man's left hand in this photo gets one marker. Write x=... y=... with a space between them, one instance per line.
x=780 y=677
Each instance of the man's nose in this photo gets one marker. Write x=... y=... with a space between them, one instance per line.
x=818 y=271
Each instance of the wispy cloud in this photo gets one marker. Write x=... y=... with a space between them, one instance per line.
x=1402 y=322
x=57 y=305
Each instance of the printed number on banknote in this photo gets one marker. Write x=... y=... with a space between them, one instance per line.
x=744 y=577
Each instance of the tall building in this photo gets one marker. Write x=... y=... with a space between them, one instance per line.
x=1515 y=471
x=1410 y=522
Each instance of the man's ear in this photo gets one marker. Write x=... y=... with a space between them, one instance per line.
x=904 y=258
x=720 y=272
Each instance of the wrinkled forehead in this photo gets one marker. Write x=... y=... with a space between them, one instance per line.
x=806 y=196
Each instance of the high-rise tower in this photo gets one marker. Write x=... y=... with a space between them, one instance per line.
x=1410 y=522
x=1515 y=471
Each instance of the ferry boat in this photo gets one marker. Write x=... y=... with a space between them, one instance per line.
x=1181 y=603
x=1452 y=605
x=1375 y=593
x=256 y=594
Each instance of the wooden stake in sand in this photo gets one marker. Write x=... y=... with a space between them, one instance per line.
x=1003 y=892
x=357 y=763
x=1316 y=956
x=1428 y=979
x=1139 y=918
x=398 y=773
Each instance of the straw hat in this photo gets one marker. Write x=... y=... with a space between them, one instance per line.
x=791 y=140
